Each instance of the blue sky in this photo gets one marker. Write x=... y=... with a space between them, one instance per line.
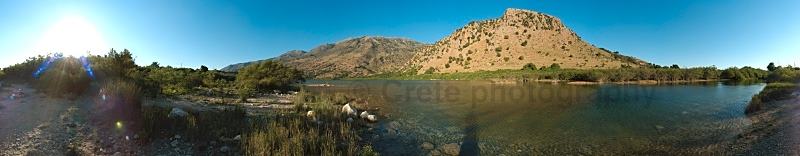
x=217 y=33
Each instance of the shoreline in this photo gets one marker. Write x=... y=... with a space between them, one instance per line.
x=517 y=81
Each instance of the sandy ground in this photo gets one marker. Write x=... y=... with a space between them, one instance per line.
x=32 y=123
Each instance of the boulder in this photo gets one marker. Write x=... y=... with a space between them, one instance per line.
x=349 y=110
x=451 y=149
x=372 y=118
x=177 y=113
x=435 y=153
x=427 y=146
x=311 y=114
x=224 y=149
x=364 y=114
x=174 y=143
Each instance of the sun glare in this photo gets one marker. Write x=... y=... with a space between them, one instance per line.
x=71 y=36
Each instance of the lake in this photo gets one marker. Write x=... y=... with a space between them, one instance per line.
x=482 y=117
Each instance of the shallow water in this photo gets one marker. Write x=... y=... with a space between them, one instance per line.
x=529 y=118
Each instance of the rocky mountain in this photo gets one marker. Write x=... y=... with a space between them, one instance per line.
x=285 y=56
x=517 y=38
x=353 y=57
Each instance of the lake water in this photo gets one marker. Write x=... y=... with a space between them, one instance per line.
x=482 y=117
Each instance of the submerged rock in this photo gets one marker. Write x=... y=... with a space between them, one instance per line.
x=451 y=149
x=435 y=153
x=177 y=113
x=659 y=127
x=427 y=146
x=224 y=149
x=372 y=118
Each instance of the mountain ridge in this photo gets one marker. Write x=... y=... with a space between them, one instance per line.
x=516 y=38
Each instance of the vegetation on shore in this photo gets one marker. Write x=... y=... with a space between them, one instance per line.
x=782 y=83
x=125 y=84
x=554 y=72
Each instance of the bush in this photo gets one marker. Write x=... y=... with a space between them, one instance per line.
x=119 y=101
x=529 y=66
x=266 y=76
x=783 y=75
x=23 y=71
x=772 y=92
x=555 y=66
x=745 y=73
x=64 y=77
x=430 y=70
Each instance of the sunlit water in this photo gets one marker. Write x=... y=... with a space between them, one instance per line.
x=490 y=118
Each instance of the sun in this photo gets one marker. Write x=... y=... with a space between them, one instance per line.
x=71 y=36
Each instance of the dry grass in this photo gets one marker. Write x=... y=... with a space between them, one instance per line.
x=328 y=134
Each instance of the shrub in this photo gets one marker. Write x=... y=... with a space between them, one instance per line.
x=529 y=66
x=555 y=66
x=745 y=73
x=64 y=77
x=266 y=76
x=119 y=101
x=783 y=75
x=772 y=92
x=430 y=70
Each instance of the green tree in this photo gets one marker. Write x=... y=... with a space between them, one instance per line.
x=203 y=68
x=555 y=66
x=154 y=65
x=771 y=66
x=266 y=76
x=529 y=66
x=675 y=66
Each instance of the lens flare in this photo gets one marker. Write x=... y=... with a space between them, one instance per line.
x=119 y=124
x=46 y=64
x=87 y=66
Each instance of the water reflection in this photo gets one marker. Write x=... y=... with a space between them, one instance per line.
x=490 y=118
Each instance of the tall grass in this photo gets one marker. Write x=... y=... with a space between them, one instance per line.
x=772 y=92
x=327 y=134
x=199 y=125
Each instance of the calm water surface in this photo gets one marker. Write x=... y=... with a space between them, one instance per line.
x=530 y=118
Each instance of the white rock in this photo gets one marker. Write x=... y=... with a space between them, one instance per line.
x=372 y=118
x=347 y=109
x=237 y=138
x=364 y=114
x=177 y=113
x=311 y=114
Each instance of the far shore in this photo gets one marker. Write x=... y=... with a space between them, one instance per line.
x=554 y=81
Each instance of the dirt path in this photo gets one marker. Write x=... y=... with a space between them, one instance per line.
x=34 y=124
x=778 y=131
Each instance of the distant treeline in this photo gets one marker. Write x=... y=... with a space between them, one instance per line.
x=624 y=74
x=153 y=79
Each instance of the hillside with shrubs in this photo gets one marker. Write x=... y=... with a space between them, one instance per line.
x=355 y=57
x=517 y=38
